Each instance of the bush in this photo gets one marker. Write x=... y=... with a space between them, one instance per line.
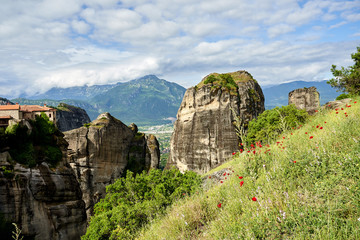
x=39 y=146
x=133 y=201
x=273 y=122
x=343 y=96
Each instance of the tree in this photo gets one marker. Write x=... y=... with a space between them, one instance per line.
x=347 y=79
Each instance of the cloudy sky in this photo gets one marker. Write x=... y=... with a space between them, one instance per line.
x=63 y=43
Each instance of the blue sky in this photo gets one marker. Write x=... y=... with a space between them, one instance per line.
x=64 y=43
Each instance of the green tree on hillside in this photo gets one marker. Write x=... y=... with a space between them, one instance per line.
x=273 y=122
x=347 y=79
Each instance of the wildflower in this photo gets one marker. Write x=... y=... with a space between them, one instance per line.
x=324 y=122
x=294 y=161
x=337 y=112
x=254 y=152
x=283 y=137
x=241 y=183
x=209 y=176
x=355 y=102
x=305 y=132
x=221 y=181
x=234 y=153
x=317 y=126
x=254 y=199
x=219 y=205
x=241 y=177
x=321 y=127
x=224 y=174
x=241 y=150
x=311 y=137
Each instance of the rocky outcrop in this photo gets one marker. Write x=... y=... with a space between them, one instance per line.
x=337 y=103
x=204 y=133
x=69 y=117
x=305 y=98
x=44 y=203
x=103 y=150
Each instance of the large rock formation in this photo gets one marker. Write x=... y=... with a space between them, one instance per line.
x=69 y=117
x=103 y=150
x=204 y=133
x=44 y=203
x=305 y=98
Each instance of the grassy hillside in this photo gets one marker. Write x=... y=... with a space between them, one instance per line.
x=304 y=186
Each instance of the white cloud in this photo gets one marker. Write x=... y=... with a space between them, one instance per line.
x=45 y=43
x=279 y=30
x=338 y=25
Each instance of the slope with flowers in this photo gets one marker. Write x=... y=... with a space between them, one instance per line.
x=305 y=185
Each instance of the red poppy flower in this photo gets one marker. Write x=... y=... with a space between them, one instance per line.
x=221 y=181
x=228 y=174
x=224 y=174
x=219 y=205
x=234 y=153
x=337 y=112
x=283 y=137
x=355 y=102
x=317 y=126
x=311 y=137
x=342 y=108
x=305 y=132
x=241 y=177
x=321 y=127
x=209 y=176
x=254 y=152
x=254 y=199
x=294 y=161
x=241 y=150
x=324 y=122
x=241 y=183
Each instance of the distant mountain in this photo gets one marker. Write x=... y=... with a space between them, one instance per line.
x=278 y=95
x=144 y=101
x=75 y=93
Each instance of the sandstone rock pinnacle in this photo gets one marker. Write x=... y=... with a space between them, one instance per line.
x=204 y=134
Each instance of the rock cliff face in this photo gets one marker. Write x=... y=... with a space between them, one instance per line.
x=102 y=151
x=305 y=98
x=204 y=134
x=70 y=117
x=45 y=203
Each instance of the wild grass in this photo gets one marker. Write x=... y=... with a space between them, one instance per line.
x=306 y=185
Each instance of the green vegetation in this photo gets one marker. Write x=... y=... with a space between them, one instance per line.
x=31 y=147
x=347 y=79
x=133 y=201
x=343 y=96
x=271 y=123
x=227 y=80
x=304 y=186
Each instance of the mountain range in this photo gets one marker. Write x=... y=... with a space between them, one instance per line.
x=150 y=100
x=145 y=101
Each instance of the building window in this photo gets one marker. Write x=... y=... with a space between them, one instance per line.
x=50 y=115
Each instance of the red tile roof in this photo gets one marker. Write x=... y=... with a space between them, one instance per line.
x=9 y=107
x=35 y=108
x=26 y=108
x=5 y=117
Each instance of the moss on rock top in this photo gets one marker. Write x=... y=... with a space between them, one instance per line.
x=225 y=80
